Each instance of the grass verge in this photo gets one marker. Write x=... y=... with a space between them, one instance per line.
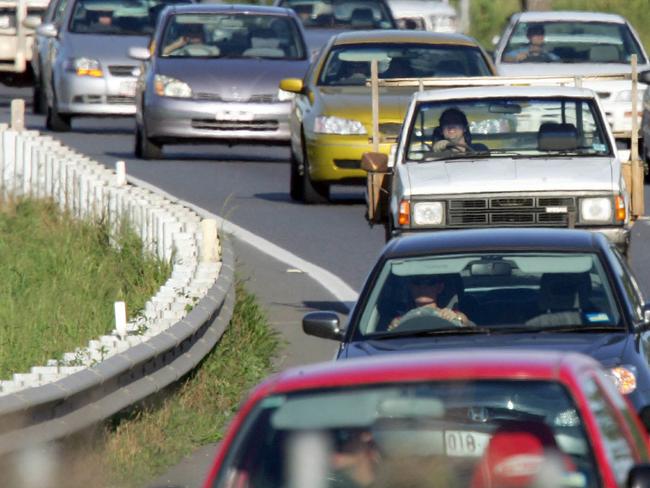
x=138 y=449
x=59 y=278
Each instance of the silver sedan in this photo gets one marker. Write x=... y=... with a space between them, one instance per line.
x=214 y=76
x=87 y=70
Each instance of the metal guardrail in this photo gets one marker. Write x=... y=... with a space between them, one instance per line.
x=67 y=400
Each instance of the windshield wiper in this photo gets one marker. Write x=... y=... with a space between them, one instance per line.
x=434 y=332
x=458 y=155
x=580 y=328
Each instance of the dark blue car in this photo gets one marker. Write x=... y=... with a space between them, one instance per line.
x=549 y=289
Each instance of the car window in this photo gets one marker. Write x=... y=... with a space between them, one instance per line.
x=59 y=12
x=577 y=42
x=232 y=36
x=342 y=14
x=632 y=289
x=115 y=17
x=459 y=433
x=617 y=448
x=495 y=291
x=530 y=127
x=350 y=64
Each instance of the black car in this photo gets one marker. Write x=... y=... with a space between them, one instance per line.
x=560 y=289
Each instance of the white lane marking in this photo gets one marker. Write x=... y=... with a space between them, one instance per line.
x=332 y=283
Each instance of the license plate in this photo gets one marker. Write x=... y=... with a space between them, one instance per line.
x=465 y=443
x=234 y=115
x=127 y=88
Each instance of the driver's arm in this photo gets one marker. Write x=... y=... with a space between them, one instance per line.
x=180 y=42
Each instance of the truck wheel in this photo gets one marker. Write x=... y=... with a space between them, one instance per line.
x=145 y=147
x=313 y=192
x=296 y=189
x=38 y=101
x=56 y=121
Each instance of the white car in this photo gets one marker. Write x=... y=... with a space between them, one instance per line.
x=430 y=15
x=578 y=43
x=539 y=157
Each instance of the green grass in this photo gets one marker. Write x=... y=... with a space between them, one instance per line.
x=144 y=445
x=59 y=279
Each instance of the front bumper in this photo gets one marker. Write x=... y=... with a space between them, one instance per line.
x=179 y=120
x=85 y=95
x=338 y=157
x=619 y=236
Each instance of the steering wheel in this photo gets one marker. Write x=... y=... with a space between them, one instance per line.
x=540 y=57
x=418 y=323
x=194 y=50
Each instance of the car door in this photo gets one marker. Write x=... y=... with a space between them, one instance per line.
x=51 y=48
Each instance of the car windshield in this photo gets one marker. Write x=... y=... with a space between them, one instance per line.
x=517 y=127
x=116 y=17
x=341 y=14
x=459 y=433
x=232 y=36
x=350 y=64
x=572 y=42
x=495 y=292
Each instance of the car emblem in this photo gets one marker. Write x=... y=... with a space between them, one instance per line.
x=478 y=414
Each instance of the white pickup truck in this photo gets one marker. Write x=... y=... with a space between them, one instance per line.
x=539 y=156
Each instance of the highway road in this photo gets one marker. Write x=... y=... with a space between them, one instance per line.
x=248 y=186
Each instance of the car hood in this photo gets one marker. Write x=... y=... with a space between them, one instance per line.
x=354 y=102
x=607 y=347
x=511 y=175
x=233 y=79
x=402 y=8
x=105 y=48
x=564 y=69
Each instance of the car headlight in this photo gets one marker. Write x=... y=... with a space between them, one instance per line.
x=428 y=213
x=337 y=125
x=626 y=96
x=285 y=96
x=624 y=379
x=85 y=67
x=166 y=86
x=596 y=210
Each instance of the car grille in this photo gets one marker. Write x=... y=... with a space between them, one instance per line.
x=236 y=125
x=98 y=99
x=515 y=211
x=213 y=97
x=117 y=70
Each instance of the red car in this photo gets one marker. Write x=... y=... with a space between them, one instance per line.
x=498 y=418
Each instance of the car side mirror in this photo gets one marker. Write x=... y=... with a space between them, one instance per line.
x=47 y=30
x=32 y=22
x=639 y=476
x=292 y=85
x=374 y=162
x=139 y=53
x=325 y=325
x=644 y=76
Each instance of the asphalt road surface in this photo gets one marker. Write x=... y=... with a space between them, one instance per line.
x=324 y=251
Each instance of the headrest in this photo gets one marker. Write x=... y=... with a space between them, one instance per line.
x=563 y=291
x=362 y=17
x=604 y=54
x=553 y=136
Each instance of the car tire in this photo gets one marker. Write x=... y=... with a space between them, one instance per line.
x=313 y=192
x=137 y=146
x=296 y=189
x=56 y=121
x=38 y=100
x=145 y=147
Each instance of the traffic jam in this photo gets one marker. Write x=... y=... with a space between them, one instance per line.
x=501 y=338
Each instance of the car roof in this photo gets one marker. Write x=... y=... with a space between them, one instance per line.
x=468 y=240
x=569 y=15
x=401 y=35
x=487 y=91
x=506 y=364
x=229 y=8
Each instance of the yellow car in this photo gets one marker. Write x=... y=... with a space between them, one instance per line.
x=331 y=119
